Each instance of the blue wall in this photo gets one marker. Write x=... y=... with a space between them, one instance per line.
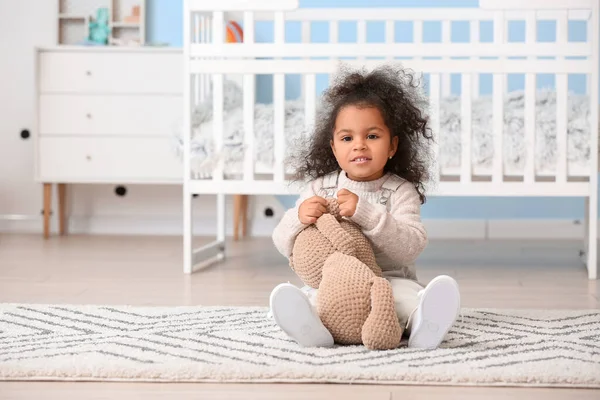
x=164 y=25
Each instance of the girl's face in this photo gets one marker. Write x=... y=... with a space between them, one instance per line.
x=361 y=142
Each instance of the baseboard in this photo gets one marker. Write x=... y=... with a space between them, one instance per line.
x=455 y=229
x=171 y=225
x=536 y=229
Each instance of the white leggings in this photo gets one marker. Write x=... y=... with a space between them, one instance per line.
x=406 y=299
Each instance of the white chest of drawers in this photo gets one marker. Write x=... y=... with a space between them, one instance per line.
x=106 y=115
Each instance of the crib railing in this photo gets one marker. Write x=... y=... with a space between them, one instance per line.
x=213 y=58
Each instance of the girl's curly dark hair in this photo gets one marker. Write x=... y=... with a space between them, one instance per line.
x=393 y=90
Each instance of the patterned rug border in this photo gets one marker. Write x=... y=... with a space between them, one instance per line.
x=532 y=385
x=27 y=371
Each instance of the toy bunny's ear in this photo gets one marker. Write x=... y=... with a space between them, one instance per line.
x=333 y=208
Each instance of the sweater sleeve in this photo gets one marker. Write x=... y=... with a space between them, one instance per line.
x=290 y=226
x=399 y=233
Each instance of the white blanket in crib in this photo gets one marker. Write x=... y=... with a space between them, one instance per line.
x=449 y=136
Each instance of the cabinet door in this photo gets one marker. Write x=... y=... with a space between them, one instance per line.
x=24 y=24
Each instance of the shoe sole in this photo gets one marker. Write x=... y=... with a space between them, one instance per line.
x=438 y=309
x=294 y=314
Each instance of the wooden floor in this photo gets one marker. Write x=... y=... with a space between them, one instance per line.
x=148 y=271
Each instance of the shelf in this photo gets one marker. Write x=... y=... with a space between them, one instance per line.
x=126 y=24
x=72 y=16
x=75 y=16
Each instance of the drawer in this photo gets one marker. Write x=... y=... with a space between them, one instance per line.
x=111 y=72
x=132 y=115
x=106 y=159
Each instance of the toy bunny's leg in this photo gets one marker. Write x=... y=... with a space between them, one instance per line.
x=382 y=330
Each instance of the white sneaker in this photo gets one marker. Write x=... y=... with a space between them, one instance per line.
x=438 y=308
x=295 y=315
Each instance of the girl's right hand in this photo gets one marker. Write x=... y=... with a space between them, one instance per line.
x=311 y=209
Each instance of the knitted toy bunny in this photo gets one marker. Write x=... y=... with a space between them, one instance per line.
x=354 y=302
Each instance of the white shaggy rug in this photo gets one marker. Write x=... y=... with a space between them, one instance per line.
x=486 y=347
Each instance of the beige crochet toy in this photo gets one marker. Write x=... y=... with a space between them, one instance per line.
x=354 y=302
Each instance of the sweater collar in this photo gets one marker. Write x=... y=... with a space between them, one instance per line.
x=361 y=186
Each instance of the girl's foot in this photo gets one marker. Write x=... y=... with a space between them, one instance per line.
x=439 y=306
x=294 y=314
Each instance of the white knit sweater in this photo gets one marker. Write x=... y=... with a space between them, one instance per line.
x=398 y=235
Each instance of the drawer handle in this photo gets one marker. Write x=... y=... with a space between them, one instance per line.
x=88 y=115
x=88 y=157
x=88 y=73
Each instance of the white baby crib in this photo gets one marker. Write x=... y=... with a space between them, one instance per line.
x=525 y=143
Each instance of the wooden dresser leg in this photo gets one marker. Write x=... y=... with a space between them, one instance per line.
x=62 y=208
x=244 y=215
x=47 y=207
x=237 y=213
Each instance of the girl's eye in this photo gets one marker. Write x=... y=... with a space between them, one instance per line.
x=372 y=136
x=346 y=138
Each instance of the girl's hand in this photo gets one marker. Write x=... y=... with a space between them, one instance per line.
x=311 y=209
x=348 y=202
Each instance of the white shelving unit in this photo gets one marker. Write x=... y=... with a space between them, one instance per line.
x=125 y=28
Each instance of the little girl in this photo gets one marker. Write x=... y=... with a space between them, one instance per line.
x=369 y=150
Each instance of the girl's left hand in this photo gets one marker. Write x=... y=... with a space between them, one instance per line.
x=348 y=202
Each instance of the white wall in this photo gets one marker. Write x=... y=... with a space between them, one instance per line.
x=18 y=194
x=145 y=209
x=25 y=24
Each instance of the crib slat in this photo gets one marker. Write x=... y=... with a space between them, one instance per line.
x=248 y=27
x=207 y=39
x=498 y=127
x=434 y=100
x=333 y=31
x=418 y=37
x=217 y=82
x=389 y=35
x=249 y=95
x=305 y=32
x=197 y=29
x=389 y=31
x=530 y=38
x=279 y=27
x=446 y=77
x=279 y=125
x=249 y=127
x=417 y=31
x=361 y=33
x=305 y=38
x=530 y=27
x=589 y=35
x=561 y=127
x=218 y=123
x=279 y=105
x=562 y=87
x=474 y=38
x=499 y=30
x=592 y=236
x=562 y=27
x=500 y=37
x=465 y=127
x=310 y=94
x=529 y=174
